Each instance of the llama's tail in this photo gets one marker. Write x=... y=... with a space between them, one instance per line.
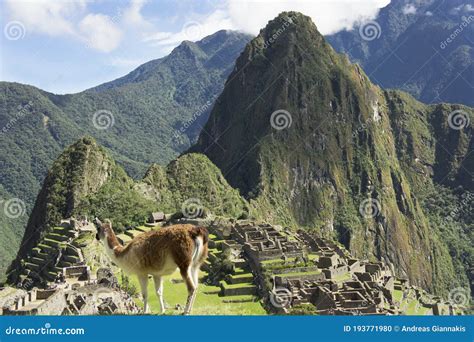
x=200 y=236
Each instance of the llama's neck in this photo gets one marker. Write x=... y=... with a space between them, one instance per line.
x=112 y=245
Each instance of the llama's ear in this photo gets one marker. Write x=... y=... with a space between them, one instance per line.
x=97 y=222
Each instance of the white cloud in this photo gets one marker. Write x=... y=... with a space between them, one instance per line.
x=100 y=32
x=462 y=9
x=46 y=16
x=409 y=9
x=193 y=29
x=329 y=16
x=104 y=33
x=133 y=16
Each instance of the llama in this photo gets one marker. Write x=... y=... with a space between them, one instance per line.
x=158 y=253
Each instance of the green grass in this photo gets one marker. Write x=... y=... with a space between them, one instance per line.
x=236 y=286
x=342 y=277
x=415 y=308
x=243 y=275
x=208 y=302
x=274 y=262
x=397 y=295
x=298 y=274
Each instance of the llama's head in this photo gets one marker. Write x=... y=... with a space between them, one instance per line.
x=102 y=229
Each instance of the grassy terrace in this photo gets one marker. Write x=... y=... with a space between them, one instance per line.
x=397 y=295
x=236 y=286
x=343 y=277
x=274 y=262
x=208 y=302
x=284 y=275
x=242 y=275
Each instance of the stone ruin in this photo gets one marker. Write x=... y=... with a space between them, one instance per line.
x=265 y=242
x=100 y=296
x=333 y=282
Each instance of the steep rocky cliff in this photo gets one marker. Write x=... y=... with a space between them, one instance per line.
x=86 y=181
x=81 y=170
x=310 y=141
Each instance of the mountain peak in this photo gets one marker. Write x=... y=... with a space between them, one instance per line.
x=282 y=33
x=309 y=140
x=80 y=170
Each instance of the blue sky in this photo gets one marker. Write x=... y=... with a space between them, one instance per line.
x=66 y=46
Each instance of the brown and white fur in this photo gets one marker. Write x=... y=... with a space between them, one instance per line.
x=158 y=253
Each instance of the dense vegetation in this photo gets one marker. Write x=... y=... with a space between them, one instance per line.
x=86 y=181
x=423 y=48
x=346 y=145
x=346 y=142
x=157 y=111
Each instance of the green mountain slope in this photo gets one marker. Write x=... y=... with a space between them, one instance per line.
x=310 y=141
x=423 y=47
x=85 y=180
x=154 y=113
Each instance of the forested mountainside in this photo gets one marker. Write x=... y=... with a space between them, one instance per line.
x=424 y=47
x=310 y=141
x=150 y=115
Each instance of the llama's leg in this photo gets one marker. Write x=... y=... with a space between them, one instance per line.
x=188 y=280
x=159 y=292
x=195 y=277
x=195 y=274
x=143 y=279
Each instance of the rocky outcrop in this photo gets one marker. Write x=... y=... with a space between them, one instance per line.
x=81 y=170
x=310 y=141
